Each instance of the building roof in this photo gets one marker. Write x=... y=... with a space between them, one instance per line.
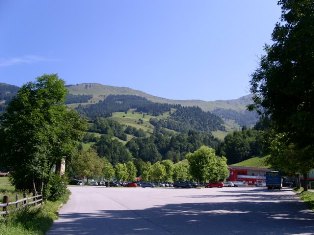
x=249 y=168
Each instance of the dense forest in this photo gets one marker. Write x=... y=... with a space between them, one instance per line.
x=123 y=103
x=160 y=145
x=191 y=118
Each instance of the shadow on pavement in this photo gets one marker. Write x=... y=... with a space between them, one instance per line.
x=265 y=217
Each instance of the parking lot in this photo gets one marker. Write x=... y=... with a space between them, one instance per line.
x=242 y=210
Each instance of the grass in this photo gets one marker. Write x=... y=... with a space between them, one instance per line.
x=254 y=162
x=5 y=186
x=307 y=197
x=134 y=119
x=30 y=220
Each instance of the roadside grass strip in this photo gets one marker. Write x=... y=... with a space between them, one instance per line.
x=308 y=198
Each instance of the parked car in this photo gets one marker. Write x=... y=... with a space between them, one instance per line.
x=76 y=182
x=112 y=184
x=93 y=183
x=131 y=184
x=184 y=184
x=214 y=185
x=240 y=184
x=146 y=185
x=228 y=184
x=260 y=184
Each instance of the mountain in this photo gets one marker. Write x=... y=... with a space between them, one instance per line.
x=99 y=92
x=7 y=92
x=233 y=112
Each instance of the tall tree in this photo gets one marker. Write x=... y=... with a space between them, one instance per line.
x=87 y=164
x=108 y=171
x=206 y=166
x=158 y=172
x=131 y=169
x=283 y=84
x=121 y=172
x=38 y=131
x=181 y=170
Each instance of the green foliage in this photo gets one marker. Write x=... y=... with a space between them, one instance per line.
x=184 y=119
x=87 y=164
x=56 y=188
x=181 y=171
x=146 y=171
x=108 y=170
x=113 y=150
x=308 y=198
x=157 y=172
x=121 y=172
x=132 y=171
x=108 y=127
x=169 y=170
x=241 y=145
x=206 y=166
x=283 y=85
x=50 y=132
x=287 y=157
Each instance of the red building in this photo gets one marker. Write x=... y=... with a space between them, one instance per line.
x=251 y=175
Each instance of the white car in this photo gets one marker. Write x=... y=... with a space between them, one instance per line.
x=228 y=184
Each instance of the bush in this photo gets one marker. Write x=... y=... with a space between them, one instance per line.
x=56 y=188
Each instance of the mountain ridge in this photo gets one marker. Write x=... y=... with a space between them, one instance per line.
x=233 y=112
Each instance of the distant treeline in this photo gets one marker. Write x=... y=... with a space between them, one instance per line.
x=190 y=118
x=122 y=103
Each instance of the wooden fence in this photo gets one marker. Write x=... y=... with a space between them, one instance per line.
x=9 y=207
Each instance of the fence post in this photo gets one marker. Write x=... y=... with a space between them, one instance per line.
x=16 y=199
x=25 y=199
x=34 y=196
x=5 y=201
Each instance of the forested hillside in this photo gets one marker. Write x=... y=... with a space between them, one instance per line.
x=6 y=94
x=232 y=112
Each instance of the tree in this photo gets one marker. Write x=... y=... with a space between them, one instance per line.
x=158 y=172
x=38 y=131
x=283 y=85
x=87 y=164
x=146 y=171
x=169 y=170
x=206 y=166
x=181 y=170
x=113 y=150
x=131 y=169
x=108 y=170
x=121 y=172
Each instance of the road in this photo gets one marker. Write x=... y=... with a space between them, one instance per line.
x=101 y=211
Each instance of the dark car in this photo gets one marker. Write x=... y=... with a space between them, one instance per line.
x=76 y=182
x=184 y=184
x=146 y=185
x=111 y=184
x=214 y=185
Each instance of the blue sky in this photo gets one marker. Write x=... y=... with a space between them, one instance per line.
x=177 y=49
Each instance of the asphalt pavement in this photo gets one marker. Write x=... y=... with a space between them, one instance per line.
x=94 y=210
